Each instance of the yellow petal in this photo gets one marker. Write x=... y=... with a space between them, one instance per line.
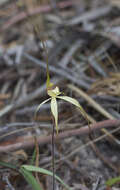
x=54 y=92
x=54 y=110
x=41 y=105
x=74 y=102
x=51 y=93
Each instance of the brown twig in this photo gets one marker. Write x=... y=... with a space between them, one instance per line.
x=41 y=9
x=27 y=142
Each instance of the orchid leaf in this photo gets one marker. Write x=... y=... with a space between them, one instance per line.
x=44 y=171
x=113 y=181
x=54 y=110
x=30 y=178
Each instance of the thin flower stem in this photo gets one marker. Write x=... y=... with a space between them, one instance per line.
x=53 y=154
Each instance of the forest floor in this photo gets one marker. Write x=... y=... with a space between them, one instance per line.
x=82 y=49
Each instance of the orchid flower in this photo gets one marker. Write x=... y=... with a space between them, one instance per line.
x=55 y=94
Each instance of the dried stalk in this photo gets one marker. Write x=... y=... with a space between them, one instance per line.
x=27 y=142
